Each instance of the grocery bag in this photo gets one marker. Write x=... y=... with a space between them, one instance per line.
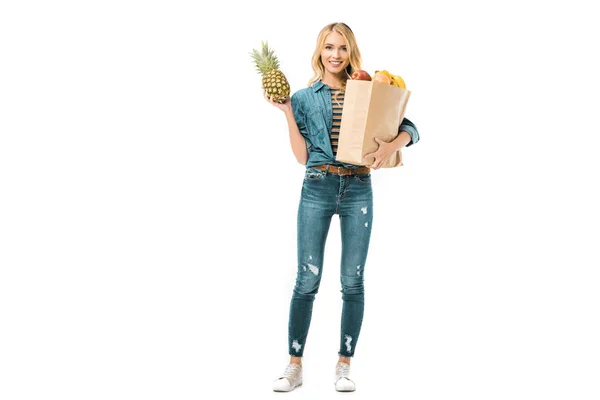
x=371 y=109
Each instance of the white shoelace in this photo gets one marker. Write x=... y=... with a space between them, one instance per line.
x=290 y=370
x=344 y=371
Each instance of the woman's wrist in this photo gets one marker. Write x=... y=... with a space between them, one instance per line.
x=401 y=140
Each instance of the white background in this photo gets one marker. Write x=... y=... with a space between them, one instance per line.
x=149 y=196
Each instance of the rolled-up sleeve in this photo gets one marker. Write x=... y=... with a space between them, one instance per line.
x=300 y=119
x=411 y=129
x=299 y=115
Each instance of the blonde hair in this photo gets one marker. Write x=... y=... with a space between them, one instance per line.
x=355 y=59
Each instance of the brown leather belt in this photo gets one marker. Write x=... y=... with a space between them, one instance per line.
x=343 y=171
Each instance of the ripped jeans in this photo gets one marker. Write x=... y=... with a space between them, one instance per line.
x=323 y=195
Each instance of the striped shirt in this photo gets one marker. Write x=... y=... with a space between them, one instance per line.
x=337 y=96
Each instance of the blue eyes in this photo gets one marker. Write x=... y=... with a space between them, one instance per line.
x=329 y=48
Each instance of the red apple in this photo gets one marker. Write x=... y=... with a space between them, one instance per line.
x=361 y=75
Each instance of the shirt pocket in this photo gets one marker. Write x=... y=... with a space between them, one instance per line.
x=316 y=122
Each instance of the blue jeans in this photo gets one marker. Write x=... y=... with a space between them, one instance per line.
x=323 y=195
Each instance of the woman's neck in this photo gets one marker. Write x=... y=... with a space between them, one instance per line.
x=332 y=81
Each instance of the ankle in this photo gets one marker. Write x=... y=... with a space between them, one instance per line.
x=296 y=360
x=345 y=360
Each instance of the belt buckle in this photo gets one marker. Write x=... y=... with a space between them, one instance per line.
x=339 y=170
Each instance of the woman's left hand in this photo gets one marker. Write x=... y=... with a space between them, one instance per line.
x=383 y=154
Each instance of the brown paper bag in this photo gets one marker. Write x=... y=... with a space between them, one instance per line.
x=371 y=109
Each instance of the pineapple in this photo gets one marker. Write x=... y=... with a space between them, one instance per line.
x=273 y=81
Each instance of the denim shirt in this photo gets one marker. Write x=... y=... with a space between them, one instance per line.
x=314 y=116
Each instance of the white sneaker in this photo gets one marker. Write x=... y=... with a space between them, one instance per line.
x=342 y=381
x=290 y=379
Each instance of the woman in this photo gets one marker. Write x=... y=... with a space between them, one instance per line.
x=330 y=187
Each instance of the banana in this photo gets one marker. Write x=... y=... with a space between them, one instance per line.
x=398 y=81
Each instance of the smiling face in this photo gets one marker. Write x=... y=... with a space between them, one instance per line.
x=334 y=54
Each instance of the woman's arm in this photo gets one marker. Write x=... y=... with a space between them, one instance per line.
x=407 y=136
x=401 y=140
x=410 y=129
x=295 y=120
x=296 y=139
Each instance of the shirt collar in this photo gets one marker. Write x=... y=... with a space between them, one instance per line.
x=317 y=86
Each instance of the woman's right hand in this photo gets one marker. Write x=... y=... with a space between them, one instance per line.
x=286 y=106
